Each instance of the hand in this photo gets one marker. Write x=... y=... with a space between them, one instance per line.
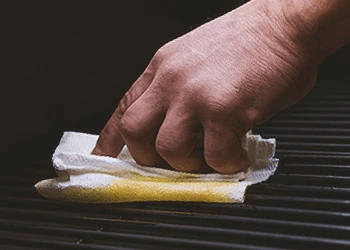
x=203 y=91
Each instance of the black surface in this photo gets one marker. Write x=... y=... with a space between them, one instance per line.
x=305 y=205
x=65 y=66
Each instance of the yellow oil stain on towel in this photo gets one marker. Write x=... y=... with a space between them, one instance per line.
x=146 y=189
x=85 y=178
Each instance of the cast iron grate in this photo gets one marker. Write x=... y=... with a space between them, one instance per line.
x=306 y=205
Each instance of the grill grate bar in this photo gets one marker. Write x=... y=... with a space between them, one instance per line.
x=313 y=116
x=332 y=103
x=11 y=202
x=313 y=110
x=326 y=139
x=307 y=123
x=268 y=212
x=23 y=240
x=50 y=244
x=219 y=234
x=305 y=205
x=149 y=216
x=278 y=131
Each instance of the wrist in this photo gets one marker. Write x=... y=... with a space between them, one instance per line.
x=318 y=27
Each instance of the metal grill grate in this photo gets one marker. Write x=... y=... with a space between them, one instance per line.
x=306 y=205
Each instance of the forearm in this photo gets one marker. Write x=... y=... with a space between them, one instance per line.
x=321 y=26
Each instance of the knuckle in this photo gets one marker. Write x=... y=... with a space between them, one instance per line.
x=213 y=160
x=218 y=165
x=150 y=160
x=162 y=50
x=170 y=70
x=219 y=161
x=164 y=147
x=129 y=127
x=160 y=54
x=216 y=108
x=258 y=114
x=218 y=101
x=218 y=111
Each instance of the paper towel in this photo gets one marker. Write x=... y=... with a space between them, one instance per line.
x=87 y=178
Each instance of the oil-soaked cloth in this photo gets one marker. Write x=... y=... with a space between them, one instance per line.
x=87 y=178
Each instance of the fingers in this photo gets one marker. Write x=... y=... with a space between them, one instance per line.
x=139 y=127
x=110 y=141
x=223 y=150
x=177 y=142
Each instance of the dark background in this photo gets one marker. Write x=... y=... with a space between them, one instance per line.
x=66 y=64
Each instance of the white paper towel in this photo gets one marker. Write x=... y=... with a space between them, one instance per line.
x=87 y=178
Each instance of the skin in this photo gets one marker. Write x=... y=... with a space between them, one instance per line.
x=205 y=90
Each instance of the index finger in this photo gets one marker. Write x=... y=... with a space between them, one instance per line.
x=110 y=142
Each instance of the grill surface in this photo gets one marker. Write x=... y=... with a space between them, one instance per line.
x=305 y=205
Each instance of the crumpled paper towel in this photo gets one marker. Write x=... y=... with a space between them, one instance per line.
x=87 y=178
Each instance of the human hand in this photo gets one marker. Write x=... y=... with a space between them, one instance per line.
x=217 y=81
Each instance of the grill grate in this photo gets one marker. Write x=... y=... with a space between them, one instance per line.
x=305 y=205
